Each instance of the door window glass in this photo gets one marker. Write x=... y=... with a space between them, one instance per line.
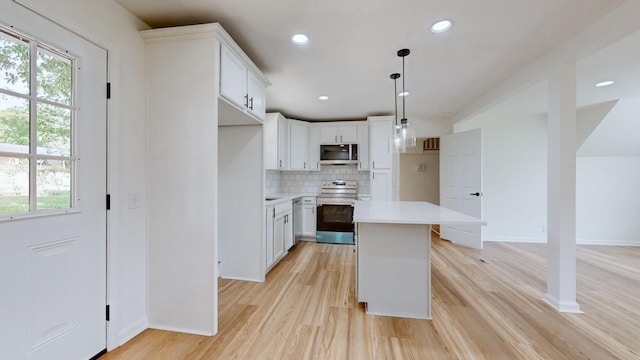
x=37 y=112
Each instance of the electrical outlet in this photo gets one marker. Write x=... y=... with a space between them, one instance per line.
x=422 y=168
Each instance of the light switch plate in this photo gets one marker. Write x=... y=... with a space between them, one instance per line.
x=134 y=200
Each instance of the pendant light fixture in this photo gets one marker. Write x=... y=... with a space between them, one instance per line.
x=404 y=135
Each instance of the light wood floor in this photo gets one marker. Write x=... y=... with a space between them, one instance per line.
x=481 y=310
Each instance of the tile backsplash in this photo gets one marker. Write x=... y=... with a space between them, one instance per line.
x=311 y=181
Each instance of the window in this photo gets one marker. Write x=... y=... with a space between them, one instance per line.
x=37 y=115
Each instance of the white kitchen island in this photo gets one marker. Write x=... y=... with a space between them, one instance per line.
x=393 y=262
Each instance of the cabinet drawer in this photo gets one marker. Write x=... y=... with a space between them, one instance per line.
x=309 y=200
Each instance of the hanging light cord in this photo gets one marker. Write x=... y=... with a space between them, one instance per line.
x=404 y=93
x=403 y=53
x=395 y=77
x=395 y=96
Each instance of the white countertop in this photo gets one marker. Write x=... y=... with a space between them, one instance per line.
x=409 y=212
x=283 y=197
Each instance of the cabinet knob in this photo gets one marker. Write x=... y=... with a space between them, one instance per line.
x=246 y=101
x=251 y=102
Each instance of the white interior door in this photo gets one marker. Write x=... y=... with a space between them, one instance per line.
x=461 y=184
x=53 y=256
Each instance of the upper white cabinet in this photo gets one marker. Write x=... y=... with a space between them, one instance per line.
x=256 y=95
x=298 y=145
x=380 y=154
x=276 y=142
x=314 y=148
x=363 y=147
x=240 y=85
x=295 y=145
x=338 y=134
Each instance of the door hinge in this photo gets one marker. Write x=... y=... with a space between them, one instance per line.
x=108 y=313
x=108 y=201
x=108 y=90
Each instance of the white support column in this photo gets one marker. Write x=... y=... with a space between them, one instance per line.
x=561 y=190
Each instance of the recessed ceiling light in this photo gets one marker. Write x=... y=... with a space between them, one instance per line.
x=300 y=39
x=323 y=97
x=441 y=26
x=604 y=83
x=404 y=93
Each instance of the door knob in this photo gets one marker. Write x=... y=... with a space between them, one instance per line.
x=475 y=194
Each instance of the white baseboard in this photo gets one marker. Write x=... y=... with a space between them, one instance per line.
x=562 y=306
x=180 y=330
x=132 y=330
x=608 y=242
x=543 y=240
x=240 y=278
x=516 y=239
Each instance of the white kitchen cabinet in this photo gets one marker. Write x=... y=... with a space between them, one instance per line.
x=380 y=152
x=276 y=142
x=339 y=134
x=381 y=186
x=383 y=164
x=283 y=233
x=298 y=145
x=363 y=147
x=239 y=85
x=279 y=235
x=279 y=224
x=269 y=217
x=308 y=217
x=256 y=96
x=314 y=147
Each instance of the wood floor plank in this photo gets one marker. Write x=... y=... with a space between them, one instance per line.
x=486 y=305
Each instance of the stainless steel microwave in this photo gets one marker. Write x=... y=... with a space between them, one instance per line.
x=339 y=154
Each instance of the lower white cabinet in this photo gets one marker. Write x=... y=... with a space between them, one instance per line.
x=381 y=189
x=279 y=232
x=308 y=217
x=269 y=217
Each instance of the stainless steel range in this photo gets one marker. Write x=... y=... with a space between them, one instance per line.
x=335 y=211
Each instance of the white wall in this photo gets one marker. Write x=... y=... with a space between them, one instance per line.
x=515 y=183
x=241 y=203
x=607 y=198
x=416 y=185
x=431 y=128
x=109 y=25
x=182 y=172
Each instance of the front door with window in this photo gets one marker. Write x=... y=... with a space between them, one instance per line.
x=52 y=190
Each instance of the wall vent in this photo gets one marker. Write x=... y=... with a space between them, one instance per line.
x=431 y=144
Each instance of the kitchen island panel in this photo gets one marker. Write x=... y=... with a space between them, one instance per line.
x=394 y=272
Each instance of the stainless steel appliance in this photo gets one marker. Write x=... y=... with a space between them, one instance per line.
x=335 y=211
x=339 y=154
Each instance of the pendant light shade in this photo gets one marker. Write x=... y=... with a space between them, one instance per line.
x=404 y=134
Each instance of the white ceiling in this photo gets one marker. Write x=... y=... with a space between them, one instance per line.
x=353 y=45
